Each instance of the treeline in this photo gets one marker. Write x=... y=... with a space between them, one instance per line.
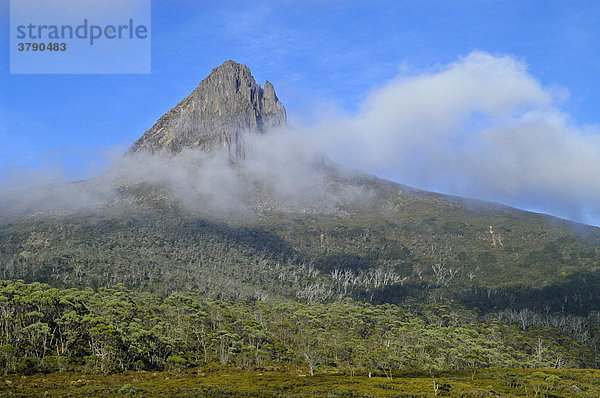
x=47 y=329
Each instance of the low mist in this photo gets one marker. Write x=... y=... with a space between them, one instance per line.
x=279 y=172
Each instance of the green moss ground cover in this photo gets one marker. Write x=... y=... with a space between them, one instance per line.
x=225 y=381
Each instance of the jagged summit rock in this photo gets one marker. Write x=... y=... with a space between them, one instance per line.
x=225 y=105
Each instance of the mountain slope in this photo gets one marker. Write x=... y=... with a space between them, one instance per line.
x=206 y=201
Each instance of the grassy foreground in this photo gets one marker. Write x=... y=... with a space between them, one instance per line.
x=222 y=382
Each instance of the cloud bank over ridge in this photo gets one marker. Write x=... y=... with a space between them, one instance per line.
x=480 y=127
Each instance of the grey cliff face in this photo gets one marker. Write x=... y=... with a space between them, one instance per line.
x=224 y=106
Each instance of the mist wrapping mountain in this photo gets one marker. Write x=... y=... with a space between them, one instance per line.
x=221 y=197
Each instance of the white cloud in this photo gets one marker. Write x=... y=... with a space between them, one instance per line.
x=480 y=127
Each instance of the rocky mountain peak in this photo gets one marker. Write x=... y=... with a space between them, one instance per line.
x=224 y=106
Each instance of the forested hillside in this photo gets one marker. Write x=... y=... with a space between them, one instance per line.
x=401 y=244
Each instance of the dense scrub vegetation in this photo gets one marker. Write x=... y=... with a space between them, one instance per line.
x=45 y=329
x=405 y=246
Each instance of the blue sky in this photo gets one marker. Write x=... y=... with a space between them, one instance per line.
x=320 y=55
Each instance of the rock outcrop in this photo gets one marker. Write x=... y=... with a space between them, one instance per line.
x=224 y=106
